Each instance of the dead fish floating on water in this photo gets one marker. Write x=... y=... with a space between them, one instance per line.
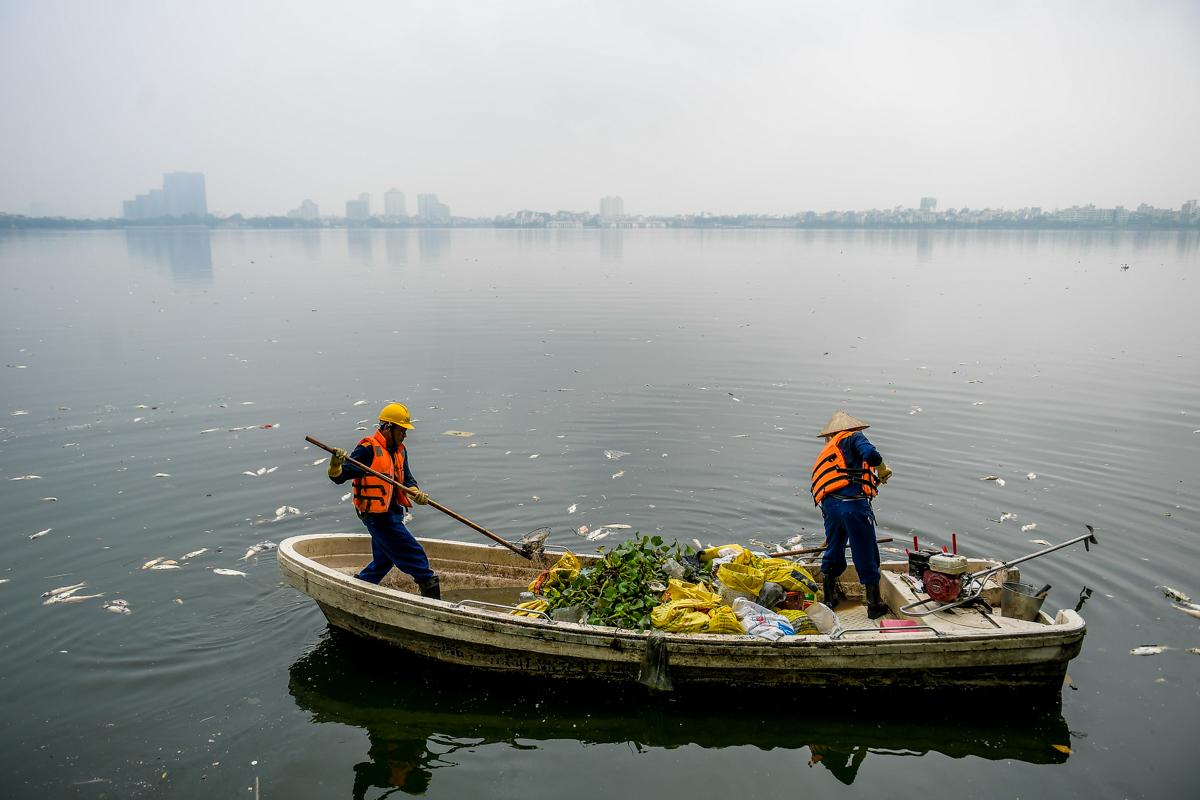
x=999 y=481
x=261 y=547
x=231 y=572
x=1042 y=542
x=1149 y=650
x=1174 y=594
x=167 y=564
x=263 y=471
x=1029 y=527
x=26 y=478
x=194 y=553
x=118 y=607
x=1191 y=609
x=67 y=594
x=39 y=534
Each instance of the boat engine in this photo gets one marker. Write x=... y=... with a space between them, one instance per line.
x=943 y=578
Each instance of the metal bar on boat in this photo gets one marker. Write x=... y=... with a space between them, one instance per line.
x=527 y=611
x=906 y=629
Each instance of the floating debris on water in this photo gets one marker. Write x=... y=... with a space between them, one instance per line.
x=736 y=399
x=1031 y=476
x=162 y=474
x=618 y=474
x=118 y=607
x=258 y=548
x=39 y=534
x=1148 y=650
x=154 y=561
x=360 y=402
x=26 y=478
x=915 y=410
x=999 y=481
x=49 y=499
x=535 y=455
x=572 y=507
x=233 y=572
x=347 y=496
x=1194 y=651
x=1191 y=610
x=1174 y=594
x=194 y=553
x=1004 y=516
x=167 y=564
x=262 y=471
x=1029 y=527
x=18 y=413
x=614 y=455
x=319 y=461
x=1042 y=542
x=463 y=434
x=74 y=587
x=1062 y=748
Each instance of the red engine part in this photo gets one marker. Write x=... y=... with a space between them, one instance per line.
x=942 y=587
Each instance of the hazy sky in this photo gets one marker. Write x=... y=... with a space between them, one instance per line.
x=677 y=107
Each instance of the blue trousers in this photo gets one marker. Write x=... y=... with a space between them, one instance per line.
x=853 y=520
x=393 y=546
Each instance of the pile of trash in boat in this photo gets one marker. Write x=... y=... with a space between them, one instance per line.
x=643 y=584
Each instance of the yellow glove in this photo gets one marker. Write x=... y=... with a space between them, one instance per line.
x=418 y=497
x=336 y=461
x=883 y=471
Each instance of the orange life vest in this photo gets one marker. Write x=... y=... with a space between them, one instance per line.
x=830 y=473
x=373 y=495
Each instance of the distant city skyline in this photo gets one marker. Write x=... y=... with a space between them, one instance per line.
x=767 y=109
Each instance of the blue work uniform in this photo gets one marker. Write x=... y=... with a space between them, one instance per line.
x=392 y=545
x=848 y=515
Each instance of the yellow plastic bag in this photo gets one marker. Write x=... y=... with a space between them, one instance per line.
x=741 y=578
x=679 y=590
x=742 y=555
x=722 y=620
x=531 y=605
x=792 y=577
x=561 y=574
x=679 y=616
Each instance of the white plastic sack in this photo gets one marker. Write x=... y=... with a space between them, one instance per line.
x=761 y=622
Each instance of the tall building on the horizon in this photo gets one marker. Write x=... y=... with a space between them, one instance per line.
x=429 y=209
x=307 y=210
x=612 y=208
x=359 y=209
x=929 y=204
x=182 y=196
x=393 y=204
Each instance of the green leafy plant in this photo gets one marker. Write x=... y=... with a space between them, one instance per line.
x=621 y=588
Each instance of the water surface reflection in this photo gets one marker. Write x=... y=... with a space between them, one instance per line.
x=418 y=715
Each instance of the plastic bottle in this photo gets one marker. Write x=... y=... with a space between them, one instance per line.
x=823 y=617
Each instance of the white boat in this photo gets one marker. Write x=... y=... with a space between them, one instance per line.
x=473 y=626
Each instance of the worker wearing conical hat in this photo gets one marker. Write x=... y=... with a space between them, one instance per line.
x=381 y=506
x=846 y=475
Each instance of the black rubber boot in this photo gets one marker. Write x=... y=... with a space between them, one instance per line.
x=830 y=592
x=875 y=605
x=431 y=588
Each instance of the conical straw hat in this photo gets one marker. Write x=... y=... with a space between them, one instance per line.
x=841 y=421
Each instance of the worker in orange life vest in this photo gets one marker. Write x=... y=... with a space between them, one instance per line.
x=381 y=506
x=846 y=475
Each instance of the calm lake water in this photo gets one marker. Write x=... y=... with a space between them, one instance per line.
x=140 y=368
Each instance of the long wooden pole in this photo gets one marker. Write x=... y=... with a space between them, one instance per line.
x=474 y=526
x=821 y=549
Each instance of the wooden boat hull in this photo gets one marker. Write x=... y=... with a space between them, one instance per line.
x=1024 y=656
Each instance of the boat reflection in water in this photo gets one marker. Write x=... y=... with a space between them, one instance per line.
x=416 y=713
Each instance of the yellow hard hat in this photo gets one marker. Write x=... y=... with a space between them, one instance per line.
x=397 y=414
